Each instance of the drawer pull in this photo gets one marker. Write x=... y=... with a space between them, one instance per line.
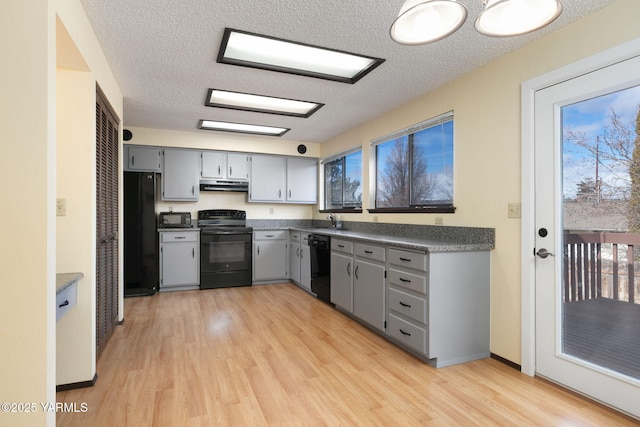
x=269 y=235
x=404 y=304
x=404 y=280
x=180 y=237
x=66 y=302
x=368 y=252
x=404 y=333
x=341 y=246
x=405 y=259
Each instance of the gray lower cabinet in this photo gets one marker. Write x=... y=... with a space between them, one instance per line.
x=179 y=260
x=299 y=261
x=270 y=255
x=342 y=274
x=438 y=304
x=369 y=284
x=180 y=175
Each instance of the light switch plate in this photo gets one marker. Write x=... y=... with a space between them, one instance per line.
x=61 y=207
x=514 y=210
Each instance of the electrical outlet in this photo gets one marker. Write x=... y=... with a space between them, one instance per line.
x=439 y=220
x=514 y=210
x=61 y=207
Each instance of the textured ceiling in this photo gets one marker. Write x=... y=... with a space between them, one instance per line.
x=163 y=56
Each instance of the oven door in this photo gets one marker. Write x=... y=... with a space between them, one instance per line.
x=225 y=259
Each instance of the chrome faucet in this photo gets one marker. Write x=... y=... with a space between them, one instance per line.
x=333 y=220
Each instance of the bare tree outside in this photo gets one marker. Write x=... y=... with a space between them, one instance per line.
x=342 y=190
x=393 y=183
x=612 y=153
x=416 y=170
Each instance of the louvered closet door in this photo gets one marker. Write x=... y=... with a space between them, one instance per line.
x=106 y=222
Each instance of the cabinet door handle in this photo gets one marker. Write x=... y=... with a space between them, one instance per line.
x=258 y=249
x=404 y=304
x=193 y=190
x=368 y=252
x=289 y=193
x=279 y=193
x=297 y=251
x=404 y=333
x=218 y=169
x=405 y=259
x=193 y=252
x=230 y=170
x=133 y=160
x=66 y=302
x=355 y=272
x=349 y=268
x=405 y=280
x=301 y=251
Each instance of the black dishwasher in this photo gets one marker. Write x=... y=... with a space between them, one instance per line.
x=320 y=253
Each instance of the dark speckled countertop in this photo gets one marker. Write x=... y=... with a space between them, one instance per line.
x=424 y=238
x=64 y=280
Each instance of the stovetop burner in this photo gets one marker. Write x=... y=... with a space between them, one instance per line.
x=223 y=221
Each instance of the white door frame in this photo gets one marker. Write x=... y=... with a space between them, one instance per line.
x=528 y=297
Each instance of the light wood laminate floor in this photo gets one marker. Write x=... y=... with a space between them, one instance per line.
x=273 y=355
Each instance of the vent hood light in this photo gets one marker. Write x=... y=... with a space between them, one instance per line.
x=260 y=104
x=270 y=53
x=242 y=128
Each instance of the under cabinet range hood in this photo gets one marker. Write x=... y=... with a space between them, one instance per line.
x=224 y=185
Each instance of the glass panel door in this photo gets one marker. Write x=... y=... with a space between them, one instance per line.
x=587 y=306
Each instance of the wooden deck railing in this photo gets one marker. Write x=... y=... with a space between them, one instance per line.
x=601 y=265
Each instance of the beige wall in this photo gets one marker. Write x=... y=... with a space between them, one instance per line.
x=216 y=141
x=75 y=235
x=27 y=226
x=28 y=173
x=81 y=66
x=486 y=104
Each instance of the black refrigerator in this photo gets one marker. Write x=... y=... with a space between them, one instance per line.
x=140 y=234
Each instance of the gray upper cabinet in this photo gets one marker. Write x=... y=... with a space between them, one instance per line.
x=238 y=166
x=220 y=165
x=283 y=179
x=180 y=175
x=302 y=180
x=268 y=179
x=142 y=159
x=213 y=164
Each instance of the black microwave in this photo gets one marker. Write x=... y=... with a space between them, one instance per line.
x=174 y=220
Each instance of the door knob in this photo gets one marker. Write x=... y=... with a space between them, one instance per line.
x=543 y=253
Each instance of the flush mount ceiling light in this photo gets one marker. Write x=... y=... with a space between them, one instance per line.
x=270 y=53
x=421 y=21
x=242 y=128
x=261 y=104
x=502 y=18
x=426 y=21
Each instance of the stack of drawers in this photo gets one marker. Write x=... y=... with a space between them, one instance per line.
x=408 y=299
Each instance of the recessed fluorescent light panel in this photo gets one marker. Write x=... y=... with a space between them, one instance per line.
x=270 y=53
x=260 y=104
x=242 y=128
